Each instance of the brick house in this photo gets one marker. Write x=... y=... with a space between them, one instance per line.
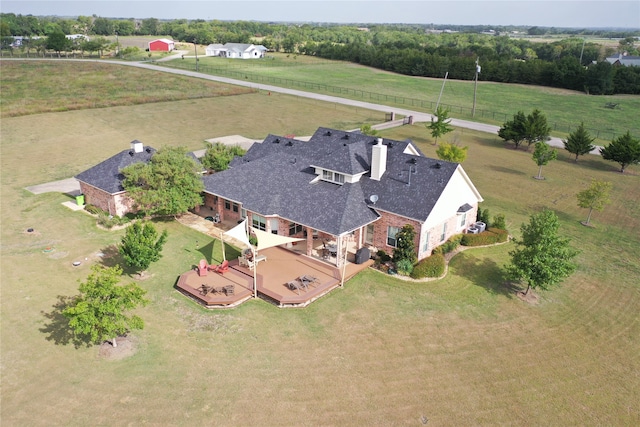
x=102 y=184
x=345 y=185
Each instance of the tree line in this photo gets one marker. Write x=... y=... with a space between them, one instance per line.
x=418 y=50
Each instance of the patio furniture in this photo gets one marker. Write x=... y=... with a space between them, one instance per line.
x=202 y=267
x=204 y=290
x=294 y=286
x=218 y=290
x=308 y=280
x=229 y=290
x=220 y=268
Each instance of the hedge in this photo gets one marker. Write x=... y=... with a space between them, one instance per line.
x=432 y=266
x=488 y=237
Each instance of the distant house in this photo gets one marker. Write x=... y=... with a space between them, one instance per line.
x=102 y=184
x=345 y=185
x=161 y=45
x=236 y=50
x=80 y=37
x=624 y=60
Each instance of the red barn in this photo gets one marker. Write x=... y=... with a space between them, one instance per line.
x=161 y=45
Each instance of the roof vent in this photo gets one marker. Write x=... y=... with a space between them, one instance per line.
x=437 y=166
x=328 y=133
x=346 y=136
x=373 y=198
x=276 y=141
x=390 y=145
x=289 y=144
x=131 y=153
x=148 y=149
x=414 y=161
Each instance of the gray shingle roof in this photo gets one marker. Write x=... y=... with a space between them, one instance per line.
x=276 y=178
x=106 y=175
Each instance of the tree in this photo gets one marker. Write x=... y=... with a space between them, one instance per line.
x=515 y=129
x=536 y=129
x=405 y=245
x=99 y=312
x=594 y=197
x=58 y=42
x=541 y=258
x=624 y=150
x=579 y=142
x=368 y=130
x=532 y=128
x=218 y=156
x=451 y=152
x=542 y=155
x=141 y=245
x=169 y=184
x=439 y=125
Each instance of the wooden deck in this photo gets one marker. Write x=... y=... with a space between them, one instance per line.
x=281 y=266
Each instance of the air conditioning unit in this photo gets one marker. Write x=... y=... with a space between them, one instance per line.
x=473 y=230
x=480 y=226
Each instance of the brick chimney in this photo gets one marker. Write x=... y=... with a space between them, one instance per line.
x=378 y=160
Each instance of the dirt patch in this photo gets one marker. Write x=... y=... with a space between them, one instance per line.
x=530 y=298
x=127 y=346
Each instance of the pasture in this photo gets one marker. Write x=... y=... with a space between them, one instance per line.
x=458 y=351
x=495 y=103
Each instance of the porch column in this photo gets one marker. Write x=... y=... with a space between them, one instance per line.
x=309 y=241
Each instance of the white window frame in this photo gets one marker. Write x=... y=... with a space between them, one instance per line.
x=443 y=236
x=259 y=222
x=391 y=230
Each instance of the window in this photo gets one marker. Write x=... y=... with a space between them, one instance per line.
x=227 y=205
x=235 y=207
x=443 y=236
x=425 y=243
x=391 y=235
x=333 y=177
x=368 y=237
x=463 y=220
x=259 y=222
x=294 y=228
x=243 y=213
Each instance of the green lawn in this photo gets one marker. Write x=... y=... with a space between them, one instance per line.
x=495 y=102
x=458 y=351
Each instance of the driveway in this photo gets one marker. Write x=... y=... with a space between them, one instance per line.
x=69 y=186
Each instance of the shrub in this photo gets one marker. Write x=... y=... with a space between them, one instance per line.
x=108 y=221
x=499 y=222
x=449 y=246
x=432 y=266
x=92 y=209
x=488 y=237
x=404 y=266
x=483 y=216
x=383 y=256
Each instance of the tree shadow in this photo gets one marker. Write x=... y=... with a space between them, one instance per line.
x=484 y=273
x=57 y=327
x=111 y=257
x=507 y=170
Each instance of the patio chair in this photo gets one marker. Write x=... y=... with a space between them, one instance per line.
x=204 y=290
x=294 y=287
x=203 y=267
x=220 y=268
x=229 y=290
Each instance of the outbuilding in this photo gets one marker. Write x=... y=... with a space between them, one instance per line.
x=161 y=45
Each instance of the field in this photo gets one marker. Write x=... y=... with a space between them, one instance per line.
x=495 y=103
x=459 y=351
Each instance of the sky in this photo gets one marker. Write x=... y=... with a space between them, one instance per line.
x=543 y=13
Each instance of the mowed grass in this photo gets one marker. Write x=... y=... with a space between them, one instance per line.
x=31 y=87
x=459 y=351
x=495 y=102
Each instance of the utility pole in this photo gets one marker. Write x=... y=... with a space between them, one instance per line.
x=475 y=89
x=195 y=48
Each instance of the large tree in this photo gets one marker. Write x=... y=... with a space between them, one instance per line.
x=169 y=184
x=579 y=142
x=541 y=258
x=218 y=156
x=624 y=150
x=141 y=245
x=439 y=125
x=531 y=128
x=542 y=155
x=100 y=311
x=594 y=197
x=58 y=42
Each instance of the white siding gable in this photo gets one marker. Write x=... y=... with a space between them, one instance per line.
x=458 y=191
